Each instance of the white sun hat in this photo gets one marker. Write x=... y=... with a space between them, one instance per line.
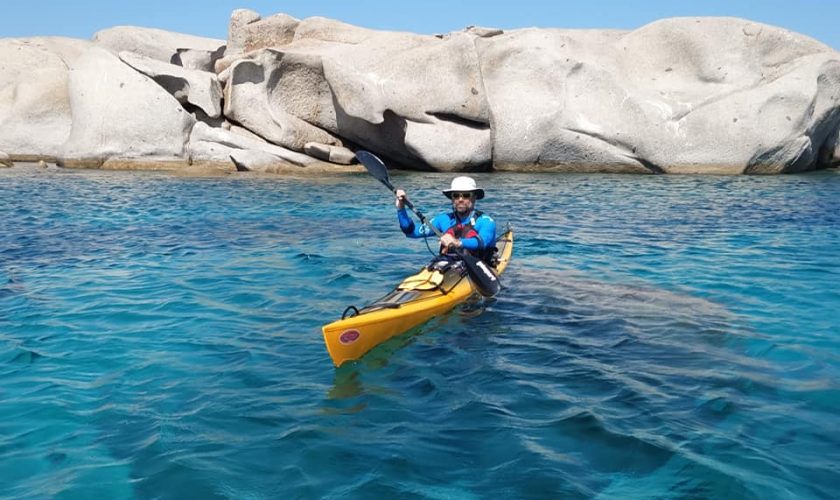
x=462 y=184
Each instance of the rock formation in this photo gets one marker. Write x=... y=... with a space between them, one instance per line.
x=191 y=52
x=35 y=117
x=120 y=113
x=682 y=95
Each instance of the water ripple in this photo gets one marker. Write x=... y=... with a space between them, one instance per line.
x=656 y=337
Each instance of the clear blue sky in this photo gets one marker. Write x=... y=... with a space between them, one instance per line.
x=819 y=19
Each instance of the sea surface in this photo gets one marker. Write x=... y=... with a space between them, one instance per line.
x=656 y=337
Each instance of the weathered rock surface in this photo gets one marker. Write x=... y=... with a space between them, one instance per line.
x=201 y=60
x=534 y=118
x=35 y=117
x=248 y=31
x=120 y=113
x=683 y=95
x=263 y=94
x=190 y=87
x=715 y=95
x=247 y=152
x=208 y=144
x=332 y=154
x=249 y=160
x=158 y=44
x=418 y=99
x=680 y=95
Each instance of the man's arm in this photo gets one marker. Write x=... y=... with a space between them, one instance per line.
x=412 y=230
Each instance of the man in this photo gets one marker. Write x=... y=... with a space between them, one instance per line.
x=464 y=227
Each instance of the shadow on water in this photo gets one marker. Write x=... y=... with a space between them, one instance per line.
x=348 y=380
x=586 y=381
x=673 y=370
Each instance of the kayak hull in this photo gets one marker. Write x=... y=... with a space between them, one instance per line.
x=407 y=306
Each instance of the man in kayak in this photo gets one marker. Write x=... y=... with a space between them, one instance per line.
x=463 y=227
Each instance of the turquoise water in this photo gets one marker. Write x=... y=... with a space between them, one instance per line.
x=669 y=337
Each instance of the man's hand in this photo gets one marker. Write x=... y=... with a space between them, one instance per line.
x=400 y=201
x=447 y=240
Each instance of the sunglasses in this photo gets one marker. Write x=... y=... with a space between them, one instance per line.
x=465 y=196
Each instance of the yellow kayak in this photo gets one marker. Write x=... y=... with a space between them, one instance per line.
x=434 y=290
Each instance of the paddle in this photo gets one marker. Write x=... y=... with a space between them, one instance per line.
x=484 y=279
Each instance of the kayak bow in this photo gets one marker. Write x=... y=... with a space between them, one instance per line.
x=417 y=299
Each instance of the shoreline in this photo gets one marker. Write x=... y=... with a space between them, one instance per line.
x=178 y=169
x=216 y=169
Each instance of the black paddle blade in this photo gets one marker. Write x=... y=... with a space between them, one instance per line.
x=481 y=275
x=375 y=167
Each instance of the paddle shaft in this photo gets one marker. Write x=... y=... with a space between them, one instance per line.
x=484 y=279
x=415 y=211
x=474 y=264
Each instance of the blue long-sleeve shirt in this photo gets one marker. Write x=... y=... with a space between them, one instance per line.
x=484 y=225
